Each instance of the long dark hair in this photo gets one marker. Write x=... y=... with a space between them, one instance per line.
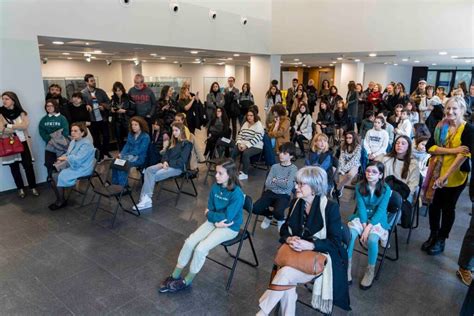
x=218 y=87
x=164 y=92
x=16 y=102
x=224 y=119
x=406 y=158
x=350 y=147
x=231 y=168
x=379 y=187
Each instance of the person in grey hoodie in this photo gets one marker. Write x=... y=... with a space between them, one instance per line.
x=143 y=97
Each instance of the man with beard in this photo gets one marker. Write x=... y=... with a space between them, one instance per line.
x=54 y=92
x=98 y=104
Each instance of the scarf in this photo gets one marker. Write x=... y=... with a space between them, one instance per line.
x=11 y=114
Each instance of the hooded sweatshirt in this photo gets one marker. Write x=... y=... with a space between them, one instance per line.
x=144 y=99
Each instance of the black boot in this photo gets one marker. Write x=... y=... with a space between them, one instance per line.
x=430 y=242
x=437 y=248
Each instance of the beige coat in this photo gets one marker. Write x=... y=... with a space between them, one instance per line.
x=21 y=123
x=282 y=134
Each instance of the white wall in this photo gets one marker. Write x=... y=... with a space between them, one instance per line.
x=383 y=74
x=371 y=25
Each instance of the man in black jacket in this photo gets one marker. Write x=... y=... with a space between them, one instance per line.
x=231 y=106
x=54 y=92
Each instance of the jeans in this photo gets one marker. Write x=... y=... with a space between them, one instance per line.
x=155 y=174
x=199 y=243
x=444 y=202
x=279 y=202
x=26 y=161
x=466 y=256
x=372 y=243
x=245 y=156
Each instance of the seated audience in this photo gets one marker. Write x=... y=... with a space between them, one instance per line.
x=388 y=127
x=77 y=162
x=325 y=119
x=370 y=220
x=249 y=142
x=396 y=117
x=279 y=129
x=367 y=123
x=303 y=128
x=420 y=154
x=278 y=187
x=412 y=112
x=218 y=127
x=341 y=120
x=50 y=123
x=376 y=140
x=135 y=149
x=173 y=163
x=158 y=142
x=349 y=161
x=314 y=224
x=224 y=217
x=320 y=155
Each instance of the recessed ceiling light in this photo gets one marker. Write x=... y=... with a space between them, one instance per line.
x=339 y=58
x=40 y=45
x=175 y=62
x=229 y=58
x=194 y=52
x=296 y=59
x=93 y=57
x=467 y=61
x=356 y=60
x=197 y=59
x=58 y=43
x=236 y=55
x=334 y=62
x=385 y=63
x=454 y=57
x=143 y=61
x=97 y=51
x=66 y=54
x=69 y=58
x=162 y=57
x=331 y=65
x=88 y=59
x=304 y=65
x=87 y=55
x=405 y=59
x=87 y=43
x=220 y=64
x=443 y=53
x=395 y=64
x=433 y=64
x=153 y=54
x=300 y=63
x=196 y=62
x=416 y=61
x=372 y=55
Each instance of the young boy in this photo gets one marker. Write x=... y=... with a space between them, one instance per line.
x=367 y=123
x=404 y=126
x=278 y=187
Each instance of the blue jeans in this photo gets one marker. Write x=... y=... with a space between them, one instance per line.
x=155 y=174
x=372 y=243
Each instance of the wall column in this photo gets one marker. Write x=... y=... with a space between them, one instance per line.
x=263 y=69
x=346 y=72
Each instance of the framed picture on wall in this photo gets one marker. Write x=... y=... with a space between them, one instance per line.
x=157 y=83
x=69 y=85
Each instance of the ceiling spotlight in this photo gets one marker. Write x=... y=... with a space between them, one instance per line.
x=87 y=55
x=66 y=54
x=69 y=58
x=339 y=58
x=296 y=59
x=229 y=58
x=87 y=43
x=212 y=15
x=44 y=60
x=88 y=59
x=97 y=51
x=467 y=61
x=443 y=53
x=175 y=62
x=194 y=52
x=320 y=67
x=331 y=65
x=197 y=59
x=220 y=64
x=405 y=59
x=356 y=60
x=93 y=57
x=153 y=54
x=454 y=57
x=372 y=55
x=304 y=65
x=433 y=64
x=108 y=62
x=416 y=61
x=236 y=55
x=243 y=20
x=58 y=43
x=395 y=64
x=300 y=63
x=136 y=62
x=334 y=62
x=162 y=57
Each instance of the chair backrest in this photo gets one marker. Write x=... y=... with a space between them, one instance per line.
x=248 y=207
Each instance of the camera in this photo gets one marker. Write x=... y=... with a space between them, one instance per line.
x=243 y=20
x=212 y=15
x=174 y=7
x=125 y=3
x=44 y=60
x=109 y=62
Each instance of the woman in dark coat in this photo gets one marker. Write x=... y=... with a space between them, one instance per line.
x=300 y=232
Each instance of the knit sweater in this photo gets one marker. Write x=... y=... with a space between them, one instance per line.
x=224 y=204
x=251 y=135
x=347 y=160
x=376 y=142
x=144 y=99
x=394 y=167
x=404 y=128
x=280 y=179
x=51 y=123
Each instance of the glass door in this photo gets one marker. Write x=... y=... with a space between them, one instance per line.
x=445 y=79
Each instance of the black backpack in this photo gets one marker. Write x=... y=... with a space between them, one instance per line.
x=404 y=191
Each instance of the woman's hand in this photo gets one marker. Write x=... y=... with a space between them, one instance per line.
x=159 y=165
x=365 y=234
x=302 y=245
x=440 y=182
x=165 y=165
x=461 y=150
x=222 y=224
x=62 y=158
x=121 y=111
x=89 y=108
x=206 y=211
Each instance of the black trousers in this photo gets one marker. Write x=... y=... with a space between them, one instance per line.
x=300 y=139
x=121 y=133
x=466 y=256
x=443 y=208
x=279 y=202
x=245 y=156
x=27 y=163
x=467 y=308
x=49 y=159
x=234 y=127
x=99 y=129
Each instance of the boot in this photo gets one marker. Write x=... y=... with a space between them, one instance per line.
x=430 y=242
x=437 y=248
x=349 y=271
x=21 y=193
x=368 y=278
x=464 y=275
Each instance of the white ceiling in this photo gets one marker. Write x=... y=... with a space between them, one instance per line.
x=75 y=49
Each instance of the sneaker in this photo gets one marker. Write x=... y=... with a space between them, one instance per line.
x=266 y=222
x=164 y=285
x=35 y=192
x=145 y=202
x=465 y=276
x=177 y=285
x=243 y=176
x=21 y=193
x=279 y=224
x=368 y=278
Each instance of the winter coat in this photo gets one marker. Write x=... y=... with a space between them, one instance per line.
x=80 y=161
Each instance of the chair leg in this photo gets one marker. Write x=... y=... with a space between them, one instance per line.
x=253 y=251
x=194 y=187
x=85 y=192
x=255 y=224
x=96 y=209
x=115 y=214
x=180 y=188
x=413 y=217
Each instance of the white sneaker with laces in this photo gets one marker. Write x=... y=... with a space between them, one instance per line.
x=243 y=176
x=266 y=222
x=145 y=202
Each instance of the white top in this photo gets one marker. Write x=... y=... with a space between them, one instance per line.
x=306 y=127
x=404 y=128
x=376 y=142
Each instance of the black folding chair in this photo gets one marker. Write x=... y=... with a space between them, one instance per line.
x=89 y=179
x=416 y=210
x=394 y=214
x=239 y=239
x=118 y=192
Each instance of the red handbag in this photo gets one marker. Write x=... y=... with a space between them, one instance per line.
x=10 y=146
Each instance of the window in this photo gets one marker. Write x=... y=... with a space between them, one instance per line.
x=431 y=77
x=463 y=75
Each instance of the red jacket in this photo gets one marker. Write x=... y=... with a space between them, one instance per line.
x=375 y=98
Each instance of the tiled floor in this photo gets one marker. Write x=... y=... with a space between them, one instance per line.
x=59 y=263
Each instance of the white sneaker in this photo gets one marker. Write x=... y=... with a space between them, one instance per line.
x=145 y=202
x=266 y=222
x=279 y=224
x=243 y=176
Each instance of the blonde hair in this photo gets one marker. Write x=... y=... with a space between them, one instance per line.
x=182 y=135
x=316 y=137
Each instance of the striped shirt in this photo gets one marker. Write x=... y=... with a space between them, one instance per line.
x=251 y=135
